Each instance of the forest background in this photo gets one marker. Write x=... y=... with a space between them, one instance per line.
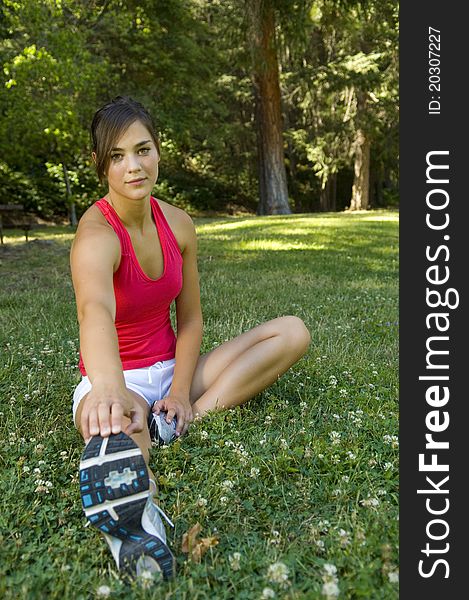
x=252 y=98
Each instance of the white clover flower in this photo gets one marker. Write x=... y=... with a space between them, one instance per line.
x=342 y=533
x=268 y=420
x=332 y=380
x=336 y=416
x=146 y=579
x=41 y=488
x=283 y=443
x=330 y=589
x=351 y=455
x=224 y=500
x=345 y=478
x=393 y=576
x=388 y=466
x=37 y=470
x=343 y=393
x=254 y=472
x=344 y=538
x=330 y=569
x=370 y=502
x=26 y=469
x=268 y=593
x=275 y=540
x=278 y=573
x=392 y=440
x=235 y=561
x=203 y=434
x=335 y=437
x=303 y=405
x=227 y=484
x=202 y=501
x=103 y=591
x=320 y=544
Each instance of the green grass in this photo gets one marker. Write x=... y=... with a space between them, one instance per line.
x=313 y=460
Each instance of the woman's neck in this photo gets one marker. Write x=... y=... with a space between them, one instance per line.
x=133 y=213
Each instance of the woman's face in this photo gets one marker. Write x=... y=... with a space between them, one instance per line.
x=133 y=167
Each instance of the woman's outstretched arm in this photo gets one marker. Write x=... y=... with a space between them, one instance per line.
x=94 y=253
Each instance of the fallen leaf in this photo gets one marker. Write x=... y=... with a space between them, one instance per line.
x=188 y=539
x=196 y=548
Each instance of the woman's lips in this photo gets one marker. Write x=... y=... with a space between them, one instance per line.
x=137 y=181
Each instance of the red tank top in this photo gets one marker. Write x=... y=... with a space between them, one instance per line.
x=142 y=319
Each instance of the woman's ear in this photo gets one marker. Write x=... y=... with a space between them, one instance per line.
x=93 y=156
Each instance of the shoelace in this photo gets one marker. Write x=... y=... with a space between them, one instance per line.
x=161 y=511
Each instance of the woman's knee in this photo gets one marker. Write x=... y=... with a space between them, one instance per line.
x=295 y=335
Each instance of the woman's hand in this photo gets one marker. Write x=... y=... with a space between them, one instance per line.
x=176 y=406
x=104 y=410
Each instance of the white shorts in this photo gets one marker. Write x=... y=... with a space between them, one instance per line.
x=151 y=383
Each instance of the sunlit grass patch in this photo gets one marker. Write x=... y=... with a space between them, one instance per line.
x=299 y=485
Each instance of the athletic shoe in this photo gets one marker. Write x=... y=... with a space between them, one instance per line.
x=161 y=432
x=116 y=497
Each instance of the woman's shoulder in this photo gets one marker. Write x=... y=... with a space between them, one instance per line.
x=173 y=213
x=93 y=228
x=180 y=222
x=93 y=220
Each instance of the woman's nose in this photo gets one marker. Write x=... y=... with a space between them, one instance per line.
x=133 y=163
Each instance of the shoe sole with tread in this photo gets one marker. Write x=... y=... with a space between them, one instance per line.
x=114 y=488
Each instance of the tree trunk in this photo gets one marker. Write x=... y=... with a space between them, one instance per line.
x=361 y=180
x=273 y=190
x=72 y=213
x=328 y=195
x=290 y=167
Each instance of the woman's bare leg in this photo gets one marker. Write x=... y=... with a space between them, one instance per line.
x=241 y=368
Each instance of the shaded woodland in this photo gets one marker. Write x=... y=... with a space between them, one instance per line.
x=267 y=106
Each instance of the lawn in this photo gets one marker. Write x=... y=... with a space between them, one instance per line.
x=299 y=487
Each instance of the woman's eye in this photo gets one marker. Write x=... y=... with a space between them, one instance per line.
x=144 y=150
x=116 y=156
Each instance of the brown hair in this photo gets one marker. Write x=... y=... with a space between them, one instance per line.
x=110 y=122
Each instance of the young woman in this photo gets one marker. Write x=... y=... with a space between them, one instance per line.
x=131 y=258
